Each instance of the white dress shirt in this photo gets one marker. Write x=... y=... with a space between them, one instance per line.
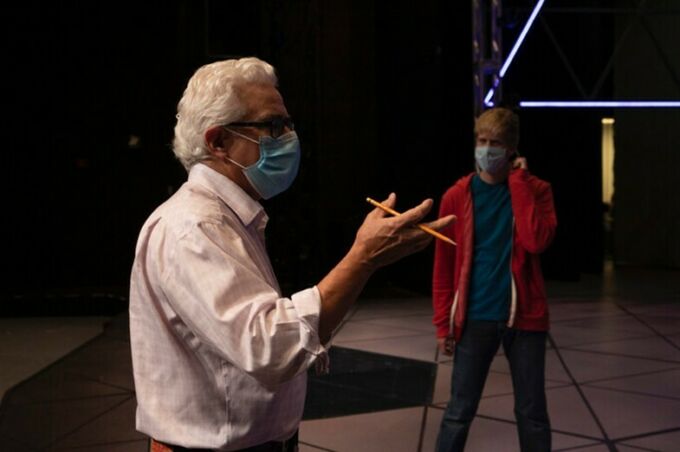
x=219 y=355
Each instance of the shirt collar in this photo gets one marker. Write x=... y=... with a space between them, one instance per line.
x=245 y=207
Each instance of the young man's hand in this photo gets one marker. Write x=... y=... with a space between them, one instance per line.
x=445 y=345
x=520 y=163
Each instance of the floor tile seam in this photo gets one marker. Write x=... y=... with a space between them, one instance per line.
x=643 y=449
x=372 y=323
x=69 y=399
x=339 y=328
x=647 y=314
x=598 y=329
x=553 y=380
x=317 y=447
x=346 y=341
x=359 y=389
x=512 y=393
x=60 y=438
x=405 y=312
x=648 y=434
x=561 y=432
x=656 y=331
x=607 y=341
x=25 y=447
x=579 y=390
x=348 y=346
x=575 y=298
x=622 y=355
x=423 y=427
x=94 y=380
x=622 y=377
x=371 y=392
x=61 y=402
x=368 y=317
x=110 y=443
x=437 y=406
x=588 y=317
x=657 y=300
x=560 y=383
x=349 y=315
x=495 y=396
x=46 y=369
x=350 y=318
x=579 y=435
x=577 y=448
x=626 y=391
x=106 y=383
x=116 y=339
x=382 y=325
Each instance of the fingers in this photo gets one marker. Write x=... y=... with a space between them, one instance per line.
x=389 y=202
x=520 y=162
x=442 y=222
x=415 y=214
x=445 y=346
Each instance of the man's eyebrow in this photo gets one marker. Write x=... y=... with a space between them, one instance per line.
x=268 y=116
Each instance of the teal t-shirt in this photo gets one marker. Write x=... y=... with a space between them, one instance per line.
x=489 y=296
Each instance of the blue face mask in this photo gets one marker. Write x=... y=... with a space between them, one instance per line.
x=277 y=167
x=491 y=159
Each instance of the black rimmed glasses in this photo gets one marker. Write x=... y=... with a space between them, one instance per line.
x=277 y=125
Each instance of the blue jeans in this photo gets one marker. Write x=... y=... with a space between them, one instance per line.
x=525 y=351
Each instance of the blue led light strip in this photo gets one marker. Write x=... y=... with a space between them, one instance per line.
x=601 y=104
x=520 y=40
x=487 y=100
x=513 y=52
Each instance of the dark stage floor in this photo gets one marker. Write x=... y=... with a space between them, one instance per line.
x=613 y=378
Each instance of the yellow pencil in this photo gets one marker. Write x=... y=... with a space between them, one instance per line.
x=420 y=226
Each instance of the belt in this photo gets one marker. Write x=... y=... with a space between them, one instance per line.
x=290 y=445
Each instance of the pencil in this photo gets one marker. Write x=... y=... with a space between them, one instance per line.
x=420 y=226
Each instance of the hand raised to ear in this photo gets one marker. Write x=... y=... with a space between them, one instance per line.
x=520 y=163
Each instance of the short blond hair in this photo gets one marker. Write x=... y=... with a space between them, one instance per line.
x=500 y=121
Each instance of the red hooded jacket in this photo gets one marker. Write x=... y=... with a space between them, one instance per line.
x=534 y=224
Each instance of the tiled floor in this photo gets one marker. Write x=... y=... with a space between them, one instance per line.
x=30 y=344
x=613 y=380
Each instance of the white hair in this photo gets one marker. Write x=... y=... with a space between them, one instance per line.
x=210 y=99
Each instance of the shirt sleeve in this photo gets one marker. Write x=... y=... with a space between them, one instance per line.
x=217 y=290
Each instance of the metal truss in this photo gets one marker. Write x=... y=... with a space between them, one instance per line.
x=488 y=72
x=487 y=49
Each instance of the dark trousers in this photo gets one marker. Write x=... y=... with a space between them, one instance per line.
x=525 y=351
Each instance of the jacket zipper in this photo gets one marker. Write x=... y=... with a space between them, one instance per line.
x=513 y=287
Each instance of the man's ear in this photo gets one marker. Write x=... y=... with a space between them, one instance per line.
x=218 y=140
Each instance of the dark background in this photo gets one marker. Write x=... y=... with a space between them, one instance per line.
x=381 y=93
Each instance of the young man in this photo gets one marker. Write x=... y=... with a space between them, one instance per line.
x=219 y=354
x=489 y=289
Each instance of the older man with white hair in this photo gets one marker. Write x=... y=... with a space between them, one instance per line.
x=220 y=354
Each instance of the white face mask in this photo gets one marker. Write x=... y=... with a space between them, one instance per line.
x=491 y=159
